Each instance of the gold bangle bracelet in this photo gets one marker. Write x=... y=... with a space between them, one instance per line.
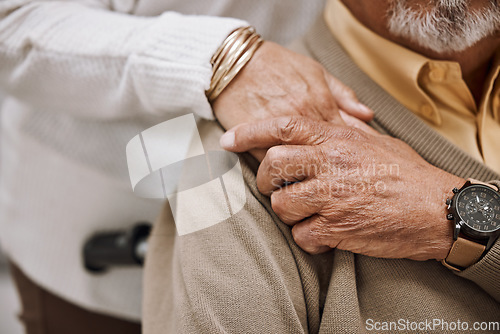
x=229 y=58
x=236 y=68
x=233 y=36
x=234 y=53
x=229 y=52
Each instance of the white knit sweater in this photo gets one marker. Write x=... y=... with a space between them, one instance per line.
x=82 y=78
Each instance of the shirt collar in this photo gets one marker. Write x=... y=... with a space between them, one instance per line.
x=397 y=69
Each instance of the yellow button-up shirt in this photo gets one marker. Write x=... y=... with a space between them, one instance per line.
x=432 y=89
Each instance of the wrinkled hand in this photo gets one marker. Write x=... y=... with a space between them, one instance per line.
x=350 y=188
x=278 y=82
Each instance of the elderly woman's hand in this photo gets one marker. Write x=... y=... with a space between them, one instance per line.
x=278 y=82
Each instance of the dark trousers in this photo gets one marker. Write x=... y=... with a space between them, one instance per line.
x=45 y=313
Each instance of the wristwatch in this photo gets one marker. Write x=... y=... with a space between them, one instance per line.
x=475 y=211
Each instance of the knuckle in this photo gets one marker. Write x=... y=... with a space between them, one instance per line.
x=317 y=230
x=287 y=127
x=274 y=156
x=345 y=157
x=319 y=133
x=305 y=239
x=334 y=155
x=350 y=133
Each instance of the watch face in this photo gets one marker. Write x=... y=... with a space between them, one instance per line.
x=479 y=208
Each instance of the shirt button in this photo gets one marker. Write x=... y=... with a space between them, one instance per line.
x=437 y=74
x=427 y=110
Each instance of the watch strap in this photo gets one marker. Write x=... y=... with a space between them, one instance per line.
x=474 y=181
x=463 y=254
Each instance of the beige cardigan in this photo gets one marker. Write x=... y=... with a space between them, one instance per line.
x=246 y=274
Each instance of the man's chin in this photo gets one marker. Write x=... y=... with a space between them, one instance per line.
x=443 y=31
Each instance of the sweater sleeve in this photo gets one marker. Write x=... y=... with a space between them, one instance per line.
x=486 y=272
x=78 y=58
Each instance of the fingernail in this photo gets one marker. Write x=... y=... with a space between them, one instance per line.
x=364 y=109
x=320 y=249
x=227 y=140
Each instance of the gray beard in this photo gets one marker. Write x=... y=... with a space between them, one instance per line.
x=449 y=26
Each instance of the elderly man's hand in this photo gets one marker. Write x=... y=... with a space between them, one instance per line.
x=342 y=187
x=278 y=82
